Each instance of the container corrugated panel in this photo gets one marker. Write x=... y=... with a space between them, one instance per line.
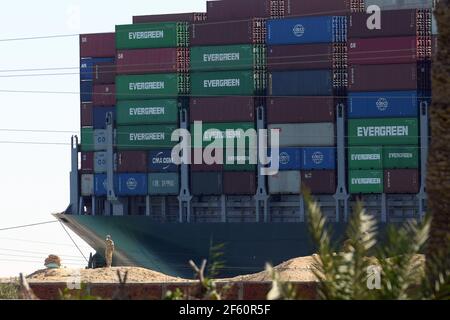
x=290 y=159
x=401 y=157
x=100 y=140
x=145 y=137
x=152 y=35
x=100 y=162
x=87 y=185
x=131 y=161
x=86 y=91
x=301 y=83
x=319 y=181
x=285 y=182
x=138 y=87
x=223 y=109
x=87 y=114
x=100 y=185
x=405 y=181
x=100 y=116
x=366 y=181
x=230 y=10
x=232 y=83
x=378 y=132
x=199 y=165
x=389 y=104
x=400 y=4
x=308 y=30
x=322 y=7
x=186 y=17
x=161 y=161
x=104 y=95
x=306 y=134
x=147 y=111
x=206 y=183
x=97 y=45
x=105 y=73
x=218 y=132
x=300 y=110
x=87 y=139
x=87 y=67
x=132 y=184
x=163 y=184
x=365 y=158
x=239 y=183
x=142 y=61
x=239 y=160
x=319 y=159
x=87 y=162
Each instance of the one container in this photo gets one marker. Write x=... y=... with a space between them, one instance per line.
x=100 y=162
x=301 y=83
x=186 y=17
x=152 y=35
x=223 y=109
x=434 y=26
x=319 y=181
x=100 y=185
x=285 y=182
x=87 y=139
x=237 y=132
x=140 y=87
x=365 y=158
x=239 y=183
x=145 y=137
x=87 y=119
x=240 y=159
x=142 y=61
x=131 y=161
x=163 y=184
x=100 y=114
x=131 y=112
x=319 y=158
x=399 y=4
x=86 y=91
x=401 y=157
x=132 y=184
x=322 y=7
x=405 y=181
x=104 y=95
x=105 y=73
x=324 y=29
x=378 y=132
x=224 y=83
x=161 y=161
x=366 y=181
x=300 y=110
x=290 y=159
x=87 y=162
x=389 y=104
x=87 y=185
x=100 y=140
x=306 y=134
x=97 y=45
x=200 y=165
x=87 y=67
x=206 y=183
x=230 y=10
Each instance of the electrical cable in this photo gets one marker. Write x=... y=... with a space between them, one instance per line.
x=27 y=226
x=76 y=245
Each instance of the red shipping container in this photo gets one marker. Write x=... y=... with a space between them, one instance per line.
x=87 y=162
x=87 y=117
x=401 y=181
x=319 y=181
x=144 y=61
x=104 y=96
x=239 y=183
x=175 y=17
x=225 y=109
x=203 y=167
x=298 y=8
x=131 y=162
x=238 y=10
x=104 y=73
x=300 y=110
x=97 y=45
x=434 y=46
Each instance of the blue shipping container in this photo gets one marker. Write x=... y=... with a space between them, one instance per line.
x=319 y=159
x=307 y=30
x=100 y=116
x=132 y=184
x=388 y=104
x=301 y=83
x=290 y=159
x=86 y=91
x=100 y=185
x=161 y=161
x=87 y=66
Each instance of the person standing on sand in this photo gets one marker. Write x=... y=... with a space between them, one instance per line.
x=109 y=251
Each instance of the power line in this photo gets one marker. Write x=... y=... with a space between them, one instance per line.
x=62 y=225
x=36 y=252
x=40 y=37
x=27 y=225
x=33 y=241
x=37 y=131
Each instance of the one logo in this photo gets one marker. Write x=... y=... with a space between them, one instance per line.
x=132 y=184
x=299 y=30
x=284 y=158
x=382 y=104
x=317 y=157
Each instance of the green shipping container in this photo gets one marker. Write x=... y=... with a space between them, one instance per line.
x=401 y=157
x=145 y=137
x=366 y=181
x=222 y=58
x=378 y=132
x=152 y=35
x=163 y=184
x=234 y=159
x=219 y=132
x=87 y=139
x=365 y=158
x=147 y=112
x=231 y=83
x=141 y=87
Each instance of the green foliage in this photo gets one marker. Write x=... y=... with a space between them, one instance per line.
x=216 y=260
x=280 y=290
x=175 y=295
x=81 y=294
x=9 y=291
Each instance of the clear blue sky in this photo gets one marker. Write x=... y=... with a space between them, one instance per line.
x=34 y=180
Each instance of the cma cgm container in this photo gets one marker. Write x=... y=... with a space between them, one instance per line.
x=366 y=181
x=301 y=83
x=185 y=17
x=87 y=66
x=86 y=91
x=163 y=184
x=290 y=159
x=132 y=184
x=231 y=83
x=147 y=111
x=145 y=137
x=239 y=183
x=401 y=157
x=322 y=7
x=319 y=159
x=365 y=158
x=206 y=183
x=100 y=185
x=389 y=104
x=142 y=61
x=100 y=116
x=225 y=132
x=378 y=132
x=104 y=95
x=300 y=109
x=160 y=160
x=131 y=161
x=401 y=181
x=306 y=134
x=324 y=29
x=97 y=45
x=152 y=35
x=222 y=109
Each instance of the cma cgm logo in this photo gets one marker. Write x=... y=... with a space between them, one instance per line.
x=132 y=184
x=317 y=157
x=284 y=158
x=382 y=104
x=299 y=30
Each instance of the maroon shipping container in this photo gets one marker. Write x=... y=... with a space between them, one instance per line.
x=320 y=181
x=87 y=116
x=434 y=46
x=174 y=17
x=225 y=109
x=104 y=73
x=97 y=45
x=300 y=110
x=298 y=8
x=87 y=162
x=239 y=183
x=104 y=96
x=387 y=77
x=301 y=57
x=238 y=10
x=132 y=161
x=401 y=181
x=229 y=32
x=204 y=167
x=144 y=61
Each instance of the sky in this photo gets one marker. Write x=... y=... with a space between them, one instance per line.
x=34 y=178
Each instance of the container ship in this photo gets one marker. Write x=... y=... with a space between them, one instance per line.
x=350 y=105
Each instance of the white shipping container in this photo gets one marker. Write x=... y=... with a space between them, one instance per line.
x=306 y=134
x=87 y=185
x=100 y=162
x=285 y=182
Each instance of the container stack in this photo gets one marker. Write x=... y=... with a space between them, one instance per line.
x=389 y=71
